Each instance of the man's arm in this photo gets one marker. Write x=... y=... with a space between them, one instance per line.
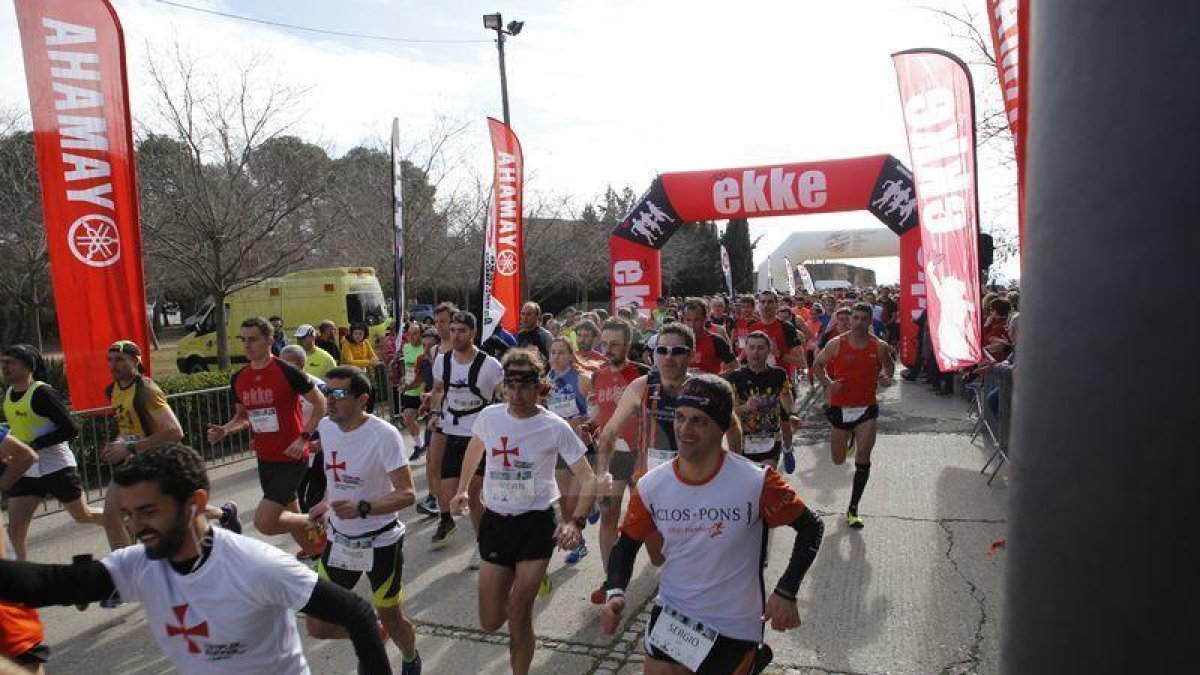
x=785 y=417
x=38 y=585
x=631 y=401
x=733 y=435
x=317 y=399
x=823 y=359
x=47 y=403
x=403 y=493
x=889 y=364
x=238 y=422
x=17 y=458
x=333 y=604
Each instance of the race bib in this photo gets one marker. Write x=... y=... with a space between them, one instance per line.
x=683 y=639
x=511 y=486
x=758 y=445
x=264 y=421
x=852 y=414
x=657 y=457
x=355 y=555
x=410 y=378
x=564 y=406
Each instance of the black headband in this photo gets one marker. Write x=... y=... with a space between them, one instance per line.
x=718 y=410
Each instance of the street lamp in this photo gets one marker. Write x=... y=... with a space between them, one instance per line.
x=496 y=22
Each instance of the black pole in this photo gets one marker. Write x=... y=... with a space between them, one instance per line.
x=1103 y=554
x=503 y=76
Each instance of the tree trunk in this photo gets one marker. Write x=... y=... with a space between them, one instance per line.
x=222 y=331
x=37 y=318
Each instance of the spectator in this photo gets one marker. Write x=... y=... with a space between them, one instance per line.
x=357 y=350
x=327 y=339
x=531 y=333
x=279 y=340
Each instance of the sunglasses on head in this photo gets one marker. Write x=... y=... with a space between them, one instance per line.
x=676 y=350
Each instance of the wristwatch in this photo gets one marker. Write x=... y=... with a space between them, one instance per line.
x=307 y=435
x=364 y=507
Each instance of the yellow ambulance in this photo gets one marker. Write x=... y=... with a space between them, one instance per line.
x=344 y=295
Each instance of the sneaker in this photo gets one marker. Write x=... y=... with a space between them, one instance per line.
x=576 y=555
x=599 y=596
x=854 y=520
x=428 y=506
x=473 y=563
x=112 y=602
x=789 y=462
x=418 y=453
x=229 y=517
x=411 y=667
x=317 y=538
x=594 y=516
x=545 y=587
x=445 y=528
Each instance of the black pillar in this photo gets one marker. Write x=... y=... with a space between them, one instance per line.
x=1103 y=553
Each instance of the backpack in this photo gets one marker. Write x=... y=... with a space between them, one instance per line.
x=472 y=384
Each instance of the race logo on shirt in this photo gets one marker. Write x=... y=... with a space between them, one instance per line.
x=709 y=521
x=258 y=397
x=340 y=477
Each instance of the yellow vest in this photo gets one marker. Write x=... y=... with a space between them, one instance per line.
x=25 y=424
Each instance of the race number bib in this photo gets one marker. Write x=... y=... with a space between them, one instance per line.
x=656 y=457
x=511 y=486
x=758 y=445
x=850 y=415
x=264 y=421
x=564 y=406
x=683 y=639
x=410 y=378
x=355 y=555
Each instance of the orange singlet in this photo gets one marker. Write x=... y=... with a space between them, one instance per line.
x=20 y=629
x=858 y=370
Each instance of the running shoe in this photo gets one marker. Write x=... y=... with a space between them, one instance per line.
x=789 y=461
x=229 y=517
x=473 y=563
x=428 y=506
x=411 y=667
x=545 y=587
x=854 y=520
x=594 y=516
x=112 y=602
x=599 y=596
x=418 y=453
x=445 y=528
x=576 y=555
x=317 y=539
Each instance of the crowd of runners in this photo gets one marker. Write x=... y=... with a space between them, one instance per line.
x=664 y=429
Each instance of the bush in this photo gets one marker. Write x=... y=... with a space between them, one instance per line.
x=179 y=384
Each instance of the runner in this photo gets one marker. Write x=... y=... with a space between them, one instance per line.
x=369 y=484
x=517 y=535
x=216 y=602
x=38 y=417
x=267 y=395
x=21 y=632
x=764 y=398
x=531 y=333
x=852 y=367
x=712 y=353
x=311 y=489
x=411 y=355
x=712 y=510
x=432 y=505
x=465 y=381
x=144 y=421
x=839 y=325
x=568 y=399
x=787 y=343
x=590 y=352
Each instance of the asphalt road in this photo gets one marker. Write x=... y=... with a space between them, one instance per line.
x=916 y=591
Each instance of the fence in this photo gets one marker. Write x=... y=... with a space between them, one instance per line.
x=195 y=411
x=994 y=422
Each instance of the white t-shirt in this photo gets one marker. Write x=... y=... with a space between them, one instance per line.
x=236 y=614
x=491 y=376
x=357 y=465
x=306 y=408
x=519 y=458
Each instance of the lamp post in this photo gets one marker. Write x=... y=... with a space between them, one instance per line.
x=496 y=23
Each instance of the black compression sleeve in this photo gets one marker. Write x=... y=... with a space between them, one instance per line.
x=333 y=604
x=37 y=585
x=809 y=530
x=47 y=403
x=620 y=561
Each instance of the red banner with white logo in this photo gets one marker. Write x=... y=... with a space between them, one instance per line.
x=75 y=68
x=1009 y=20
x=912 y=295
x=635 y=275
x=503 y=257
x=939 y=113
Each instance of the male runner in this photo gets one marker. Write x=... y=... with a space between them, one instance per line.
x=747 y=317
x=216 y=602
x=589 y=351
x=21 y=632
x=787 y=343
x=764 y=403
x=519 y=441
x=465 y=381
x=317 y=361
x=852 y=367
x=311 y=489
x=38 y=417
x=531 y=333
x=410 y=355
x=267 y=395
x=369 y=484
x=144 y=421
x=712 y=510
x=839 y=325
x=436 y=443
x=712 y=353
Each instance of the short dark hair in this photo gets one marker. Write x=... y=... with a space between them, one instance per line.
x=275 y=318
x=1001 y=306
x=524 y=357
x=621 y=327
x=587 y=325
x=261 y=324
x=696 y=305
x=862 y=307
x=759 y=335
x=681 y=330
x=177 y=468
x=359 y=382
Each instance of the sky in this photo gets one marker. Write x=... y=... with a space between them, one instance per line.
x=601 y=92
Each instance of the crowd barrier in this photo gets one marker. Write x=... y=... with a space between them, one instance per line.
x=996 y=384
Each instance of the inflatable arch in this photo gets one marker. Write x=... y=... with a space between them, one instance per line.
x=878 y=183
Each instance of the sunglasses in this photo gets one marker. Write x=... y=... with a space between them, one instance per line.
x=338 y=394
x=676 y=350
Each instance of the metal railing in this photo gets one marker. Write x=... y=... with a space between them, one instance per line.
x=195 y=410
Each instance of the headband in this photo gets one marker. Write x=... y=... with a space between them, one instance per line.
x=718 y=410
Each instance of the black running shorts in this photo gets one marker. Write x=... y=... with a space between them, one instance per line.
x=64 y=485
x=508 y=540
x=280 y=481
x=833 y=413
x=452 y=459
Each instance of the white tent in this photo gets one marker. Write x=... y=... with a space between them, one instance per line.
x=802 y=247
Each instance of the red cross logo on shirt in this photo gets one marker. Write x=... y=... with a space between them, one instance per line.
x=188 y=632
x=336 y=466
x=505 y=450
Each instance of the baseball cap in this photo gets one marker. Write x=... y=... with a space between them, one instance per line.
x=304 y=330
x=126 y=347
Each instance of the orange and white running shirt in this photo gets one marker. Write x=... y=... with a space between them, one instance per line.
x=712 y=539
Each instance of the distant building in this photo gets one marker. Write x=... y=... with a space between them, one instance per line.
x=859 y=277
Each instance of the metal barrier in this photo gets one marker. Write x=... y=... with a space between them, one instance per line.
x=195 y=411
x=998 y=379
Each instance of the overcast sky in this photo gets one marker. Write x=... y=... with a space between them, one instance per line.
x=601 y=92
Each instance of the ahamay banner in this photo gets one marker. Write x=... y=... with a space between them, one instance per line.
x=503 y=256
x=75 y=70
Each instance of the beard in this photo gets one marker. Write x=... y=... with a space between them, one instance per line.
x=167 y=543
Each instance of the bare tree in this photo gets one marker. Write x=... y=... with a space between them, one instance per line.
x=24 y=276
x=232 y=198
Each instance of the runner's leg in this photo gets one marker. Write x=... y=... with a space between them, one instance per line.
x=271 y=519
x=522 y=641
x=83 y=514
x=20 y=514
x=839 y=444
x=433 y=468
x=864 y=435
x=495 y=583
x=655 y=667
x=114 y=526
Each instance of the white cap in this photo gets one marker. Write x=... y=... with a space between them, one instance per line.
x=304 y=330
